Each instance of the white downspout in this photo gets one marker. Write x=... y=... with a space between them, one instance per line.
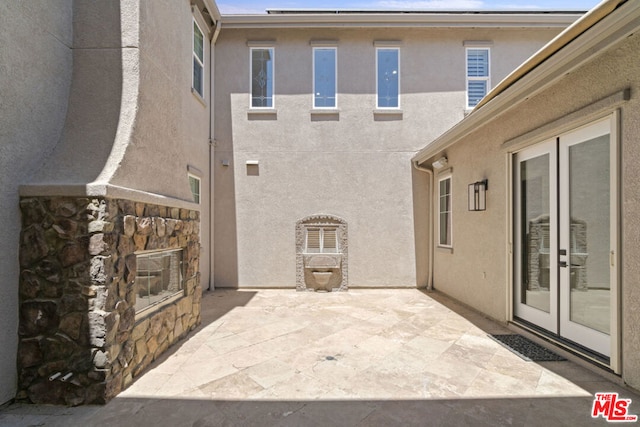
x=431 y=221
x=212 y=116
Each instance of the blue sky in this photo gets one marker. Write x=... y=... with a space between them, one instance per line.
x=259 y=6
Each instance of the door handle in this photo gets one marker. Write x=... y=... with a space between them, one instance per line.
x=562 y=263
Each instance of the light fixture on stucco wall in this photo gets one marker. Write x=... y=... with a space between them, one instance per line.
x=478 y=195
x=440 y=163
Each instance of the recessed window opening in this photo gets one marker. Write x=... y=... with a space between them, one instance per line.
x=262 y=77
x=478 y=75
x=322 y=240
x=194 y=184
x=444 y=212
x=388 y=77
x=198 y=60
x=159 y=278
x=324 y=77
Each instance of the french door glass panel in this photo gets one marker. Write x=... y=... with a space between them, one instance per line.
x=585 y=215
x=536 y=272
x=564 y=241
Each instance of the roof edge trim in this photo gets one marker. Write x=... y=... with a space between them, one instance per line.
x=592 y=17
x=616 y=28
x=407 y=20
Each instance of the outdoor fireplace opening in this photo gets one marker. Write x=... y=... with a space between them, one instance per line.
x=159 y=279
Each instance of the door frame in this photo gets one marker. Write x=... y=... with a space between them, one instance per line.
x=569 y=329
x=613 y=119
x=545 y=320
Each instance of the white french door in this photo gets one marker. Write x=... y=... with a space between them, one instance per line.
x=536 y=224
x=566 y=236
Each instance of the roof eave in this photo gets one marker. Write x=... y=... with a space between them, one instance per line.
x=614 y=26
x=213 y=9
x=305 y=20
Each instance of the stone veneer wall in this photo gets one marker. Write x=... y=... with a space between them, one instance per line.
x=77 y=296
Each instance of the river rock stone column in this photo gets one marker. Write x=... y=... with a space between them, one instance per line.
x=80 y=341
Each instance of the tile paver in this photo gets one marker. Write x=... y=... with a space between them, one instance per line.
x=364 y=357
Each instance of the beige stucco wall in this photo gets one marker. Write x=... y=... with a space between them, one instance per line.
x=481 y=238
x=355 y=165
x=35 y=77
x=171 y=130
x=133 y=121
x=95 y=93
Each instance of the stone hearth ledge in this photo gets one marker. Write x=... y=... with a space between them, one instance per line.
x=104 y=190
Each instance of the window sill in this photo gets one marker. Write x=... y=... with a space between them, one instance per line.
x=262 y=114
x=199 y=97
x=387 y=114
x=325 y=111
x=445 y=249
x=324 y=114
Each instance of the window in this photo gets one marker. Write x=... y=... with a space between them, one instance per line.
x=324 y=77
x=478 y=75
x=159 y=278
x=194 y=183
x=322 y=240
x=262 y=77
x=444 y=211
x=198 y=60
x=388 y=77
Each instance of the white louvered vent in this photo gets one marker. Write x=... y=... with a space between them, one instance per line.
x=313 y=240
x=330 y=243
x=322 y=240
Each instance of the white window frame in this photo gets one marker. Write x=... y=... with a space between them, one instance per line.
x=273 y=77
x=198 y=91
x=397 y=49
x=449 y=244
x=486 y=78
x=196 y=197
x=335 y=74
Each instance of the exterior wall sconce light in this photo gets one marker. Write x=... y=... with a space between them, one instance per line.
x=440 y=163
x=478 y=195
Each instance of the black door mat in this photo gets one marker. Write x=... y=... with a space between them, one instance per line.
x=527 y=349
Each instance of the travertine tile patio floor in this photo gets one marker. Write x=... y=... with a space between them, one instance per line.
x=359 y=358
